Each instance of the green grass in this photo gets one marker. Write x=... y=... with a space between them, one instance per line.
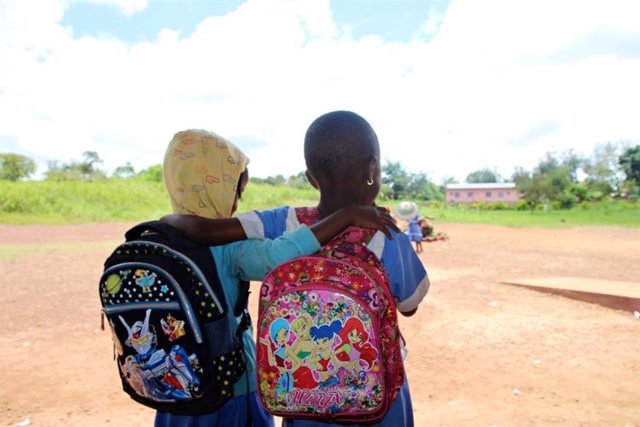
x=264 y=196
x=43 y=202
x=620 y=214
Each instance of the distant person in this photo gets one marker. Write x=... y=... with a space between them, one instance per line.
x=343 y=162
x=205 y=176
x=415 y=231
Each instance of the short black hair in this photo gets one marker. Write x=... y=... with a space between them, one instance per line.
x=336 y=143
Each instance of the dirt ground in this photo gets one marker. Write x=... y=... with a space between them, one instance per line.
x=480 y=353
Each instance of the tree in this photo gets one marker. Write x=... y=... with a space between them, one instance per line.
x=84 y=170
x=152 y=173
x=446 y=180
x=551 y=181
x=602 y=170
x=124 y=171
x=14 y=167
x=629 y=161
x=421 y=188
x=298 y=181
x=87 y=168
x=276 y=180
x=398 y=184
x=396 y=180
x=482 y=176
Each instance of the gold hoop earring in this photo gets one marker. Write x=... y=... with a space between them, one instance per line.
x=370 y=182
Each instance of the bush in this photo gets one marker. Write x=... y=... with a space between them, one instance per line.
x=565 y=200
x=521 y=205
x=499 y=206
x=481 y=206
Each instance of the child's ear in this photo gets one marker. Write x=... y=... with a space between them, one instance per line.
x=312 y=180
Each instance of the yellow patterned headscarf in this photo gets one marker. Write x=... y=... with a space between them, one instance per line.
x=201 y=172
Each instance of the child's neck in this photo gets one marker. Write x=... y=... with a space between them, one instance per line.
x=329 y=205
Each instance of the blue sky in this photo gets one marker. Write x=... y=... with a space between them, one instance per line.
x=395 y=20
x=450 y=86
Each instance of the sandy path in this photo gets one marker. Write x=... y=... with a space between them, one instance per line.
x=481 y=353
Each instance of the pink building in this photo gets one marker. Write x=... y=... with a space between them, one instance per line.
x=483 y=192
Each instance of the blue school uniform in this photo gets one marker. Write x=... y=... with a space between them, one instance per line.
x=245 y=260
x=407 y=277
x=415 y=231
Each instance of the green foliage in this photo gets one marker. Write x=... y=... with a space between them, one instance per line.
x=615 y=213
x=550 y=182
x=520 y=205
x=482 y=176
x=138 y=199
x=630 y=189
x=81 y=201
x=399 y=184
x=630 y=163
x=395 y=180
x=602 y=169
x=580 y=191
x=125 y=171
x=296 y=181
x=263 y=195
x=299 y=181
x=14 y=167
x=76 y=171
x=152 y=173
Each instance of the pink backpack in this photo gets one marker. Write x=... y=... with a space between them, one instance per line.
x=328 y=336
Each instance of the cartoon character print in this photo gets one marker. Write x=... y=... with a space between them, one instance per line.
x=172 y=328
x=354 y=349
x=323 y=358
x=144 y=279
x=277 y=350
x=153 y=373
x=133 y=374
x=301 y=350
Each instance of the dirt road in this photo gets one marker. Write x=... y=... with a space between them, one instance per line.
x=480 y=353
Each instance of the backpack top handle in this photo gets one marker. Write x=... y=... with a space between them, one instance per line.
x=163 y=228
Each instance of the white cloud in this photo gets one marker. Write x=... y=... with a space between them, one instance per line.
x=500 y=84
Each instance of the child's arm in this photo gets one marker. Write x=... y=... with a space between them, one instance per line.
x=212 y=232
x=270 y=356
x=252 y=259
x=361 y=216
x=207 y=231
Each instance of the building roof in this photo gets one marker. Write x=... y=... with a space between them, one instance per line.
x=483 y=186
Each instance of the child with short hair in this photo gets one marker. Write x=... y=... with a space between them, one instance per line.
x=342 y=155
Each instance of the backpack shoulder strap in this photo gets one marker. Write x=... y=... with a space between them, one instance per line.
x=242 y=308
x=308 y=216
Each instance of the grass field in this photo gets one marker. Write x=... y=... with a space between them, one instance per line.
x=76 y=202
x=621 y=214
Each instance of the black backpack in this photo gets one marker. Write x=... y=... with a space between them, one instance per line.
x=177 y=347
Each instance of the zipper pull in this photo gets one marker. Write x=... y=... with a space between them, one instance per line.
x=102 y=319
